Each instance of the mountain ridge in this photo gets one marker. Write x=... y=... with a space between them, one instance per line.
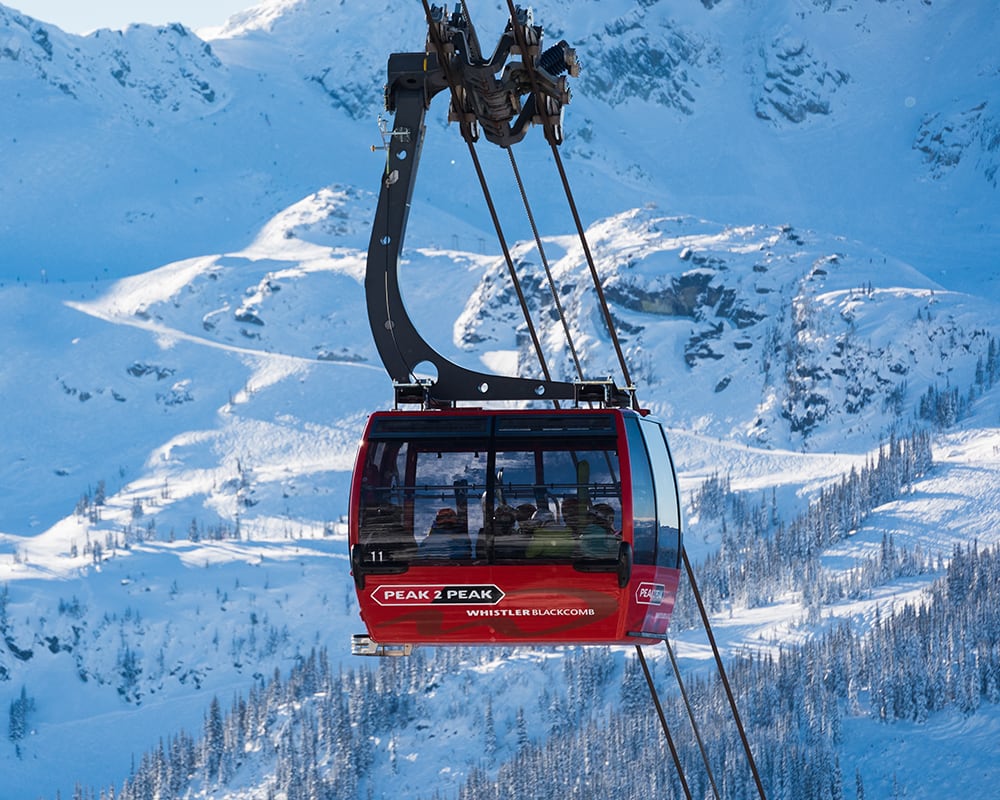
x=881 y=149
x=181 y=431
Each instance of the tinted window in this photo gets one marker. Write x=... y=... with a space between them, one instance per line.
x=643 y=498
x=565 y=503
x=451 y=490
x=422 y=499
x=445 y=489
x=667 y=507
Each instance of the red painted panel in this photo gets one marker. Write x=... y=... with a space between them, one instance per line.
x=472 y=602
x=544 y=604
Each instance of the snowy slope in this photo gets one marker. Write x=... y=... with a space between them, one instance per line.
x=822 y=333
x=876 y=123
x=179 y=439
x=221 y=397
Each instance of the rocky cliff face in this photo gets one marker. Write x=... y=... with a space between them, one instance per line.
x=797 y=83
x=783 y=336
x=642 y=57
x=946 y=138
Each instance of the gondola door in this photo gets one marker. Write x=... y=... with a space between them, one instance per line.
x=656 y=533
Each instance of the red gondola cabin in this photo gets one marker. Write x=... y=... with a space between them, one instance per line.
x=547 y=527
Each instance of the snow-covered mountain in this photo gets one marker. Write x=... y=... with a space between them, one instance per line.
x=793 y=211
x=878 y=123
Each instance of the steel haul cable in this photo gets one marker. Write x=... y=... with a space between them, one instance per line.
x=624 y=367
x=545 y=262
x=554 y=138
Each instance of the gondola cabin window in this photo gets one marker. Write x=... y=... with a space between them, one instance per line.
x=500 y=489
x=668 y=535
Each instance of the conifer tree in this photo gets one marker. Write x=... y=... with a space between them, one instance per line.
x=20 y=708
x=214 y=741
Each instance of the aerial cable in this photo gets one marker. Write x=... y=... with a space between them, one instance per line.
x=663 y=722
x=602 y=301
x=694 y=723
x=722 y=675
x=545 y=262
x=525 y=311
x=553 y=140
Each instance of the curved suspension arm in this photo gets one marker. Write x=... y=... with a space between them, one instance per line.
x=414 y=78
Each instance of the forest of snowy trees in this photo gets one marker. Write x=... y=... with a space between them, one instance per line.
x=327 y=730
x=943 y=652
x=945 y=407
x=334 y=734
x=761 y=556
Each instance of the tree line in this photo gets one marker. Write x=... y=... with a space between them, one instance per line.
x=327 y=732
x=761 y=556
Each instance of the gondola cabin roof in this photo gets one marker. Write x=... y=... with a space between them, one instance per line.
x=475 y=526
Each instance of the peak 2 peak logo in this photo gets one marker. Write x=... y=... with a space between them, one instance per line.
x=431 y=594
x=650 y=594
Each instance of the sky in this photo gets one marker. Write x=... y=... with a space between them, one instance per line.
x=76 y=17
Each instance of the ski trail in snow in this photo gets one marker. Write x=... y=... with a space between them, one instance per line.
x=169 y=333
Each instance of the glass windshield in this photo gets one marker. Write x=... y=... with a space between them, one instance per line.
x=528 y=488
x=668 y=540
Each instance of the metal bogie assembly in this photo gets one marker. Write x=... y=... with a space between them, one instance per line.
x=605 y=393
x=479 y=101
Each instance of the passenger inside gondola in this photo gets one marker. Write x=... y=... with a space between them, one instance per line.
x=512 y=531
x=507 y=542
x=524 y=512
x=606 y=518
x=446 y=539
x=594 y=535
x=548 y=538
